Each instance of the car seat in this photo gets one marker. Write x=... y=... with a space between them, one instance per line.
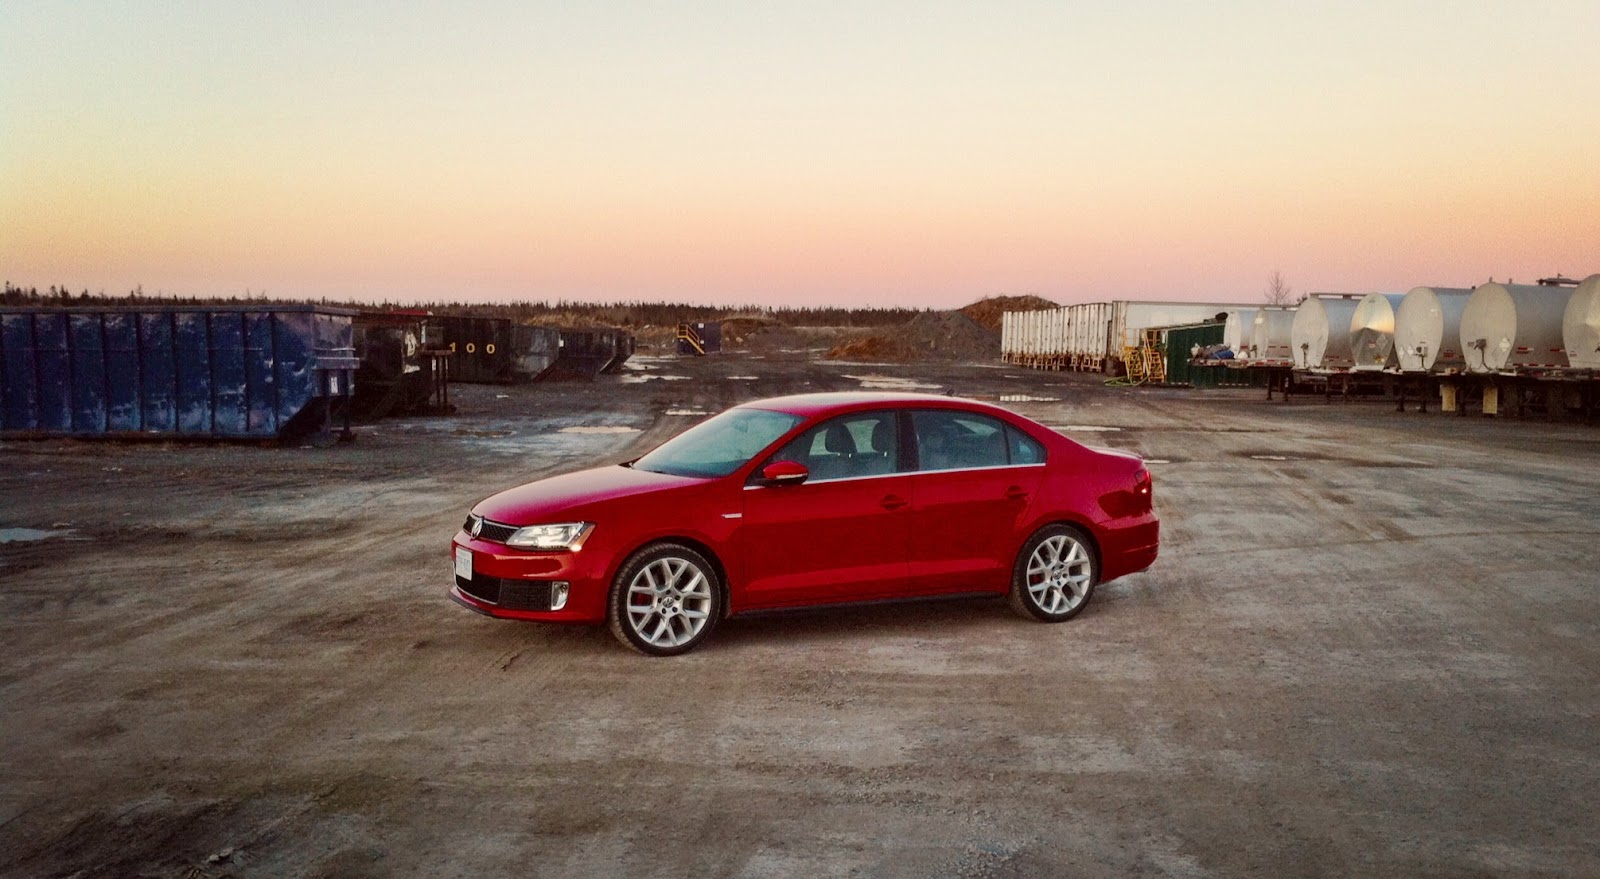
x=834 y=461
x=879 y=458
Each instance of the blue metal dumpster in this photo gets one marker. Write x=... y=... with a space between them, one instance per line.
x=175 y=371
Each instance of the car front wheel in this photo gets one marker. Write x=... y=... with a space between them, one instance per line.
x=1055 y=574
x=665 y=600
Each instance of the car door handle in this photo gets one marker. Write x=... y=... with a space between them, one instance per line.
x=1015 y=493
x=892 y=502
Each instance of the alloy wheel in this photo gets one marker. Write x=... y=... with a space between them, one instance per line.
x=1060 y=572
x=668 y=602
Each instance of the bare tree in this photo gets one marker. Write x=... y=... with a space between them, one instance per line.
x=1278 y=289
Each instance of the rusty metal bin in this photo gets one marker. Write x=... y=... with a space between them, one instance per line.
x=493 y=350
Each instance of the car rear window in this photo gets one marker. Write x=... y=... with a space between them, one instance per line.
x=955 y=440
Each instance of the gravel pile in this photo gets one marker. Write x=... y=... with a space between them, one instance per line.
x=987 y=312
x=932 y=335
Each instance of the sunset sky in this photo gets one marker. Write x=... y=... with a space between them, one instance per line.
x=920 y=154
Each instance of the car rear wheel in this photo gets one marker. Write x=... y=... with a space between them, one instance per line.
x=1055 y=574
x=665 y=600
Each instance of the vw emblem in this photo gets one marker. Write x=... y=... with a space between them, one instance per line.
x=477 y=525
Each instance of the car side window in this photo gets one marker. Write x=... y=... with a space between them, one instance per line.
x=847 y=447
x=1024 y=449
x=952 y=440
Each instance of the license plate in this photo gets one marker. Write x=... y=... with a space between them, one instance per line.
x=464 y=563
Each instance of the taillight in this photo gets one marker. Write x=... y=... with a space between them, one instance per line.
x=1126 y=503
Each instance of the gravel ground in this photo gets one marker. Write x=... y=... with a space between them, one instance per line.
x=1369 y=649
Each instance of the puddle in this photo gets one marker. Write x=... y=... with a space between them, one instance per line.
x=687 y=412
x=28 y=535
x=1157 y=461
x=581 y=428
x=1027 y=398
x=640 y=379
x=1086 y=428
x=1272 y=458
x=638 y=366
x=744 y=378
x=490 y=434
x=890 y=383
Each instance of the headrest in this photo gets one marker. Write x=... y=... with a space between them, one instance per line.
x=883 y=436
x=837 y=440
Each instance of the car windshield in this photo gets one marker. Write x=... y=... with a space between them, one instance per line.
x=717 y=446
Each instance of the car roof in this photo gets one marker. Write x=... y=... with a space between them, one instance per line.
x=811 y=405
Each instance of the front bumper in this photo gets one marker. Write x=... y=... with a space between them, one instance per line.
x=512 y=584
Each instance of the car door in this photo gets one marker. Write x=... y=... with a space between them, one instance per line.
x=842 y=535
x=975 y=478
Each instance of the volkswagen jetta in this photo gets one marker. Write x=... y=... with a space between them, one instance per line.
x=808 y=500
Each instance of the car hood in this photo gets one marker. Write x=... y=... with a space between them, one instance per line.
x=573 y=493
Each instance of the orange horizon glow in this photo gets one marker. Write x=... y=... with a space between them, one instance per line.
x=794 y=155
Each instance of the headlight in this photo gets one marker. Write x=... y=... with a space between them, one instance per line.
x=566 y=535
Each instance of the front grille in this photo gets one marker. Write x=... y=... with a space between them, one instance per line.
x=508 y=594
x=492 y=531
x=524 y=595
x=481 y=587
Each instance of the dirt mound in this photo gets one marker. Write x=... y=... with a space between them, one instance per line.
x=986 y=312
x=931 y=335
x=736 y=329
x=869 y=348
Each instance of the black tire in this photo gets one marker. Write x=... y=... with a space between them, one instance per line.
x=665 y=600
x=1055 y=574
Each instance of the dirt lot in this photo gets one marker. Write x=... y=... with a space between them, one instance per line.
x=1369 y=648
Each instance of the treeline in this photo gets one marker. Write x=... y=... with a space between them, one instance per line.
x=643 y=314
x=622 y=314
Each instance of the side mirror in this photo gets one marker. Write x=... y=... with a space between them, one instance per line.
x=784 y=473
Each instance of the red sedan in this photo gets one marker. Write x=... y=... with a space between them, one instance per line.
x=807 y=500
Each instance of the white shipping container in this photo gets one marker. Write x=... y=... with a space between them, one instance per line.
x=1097 y=350
x=1055 y=322
x=1090 y=335
x=1129 y=319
